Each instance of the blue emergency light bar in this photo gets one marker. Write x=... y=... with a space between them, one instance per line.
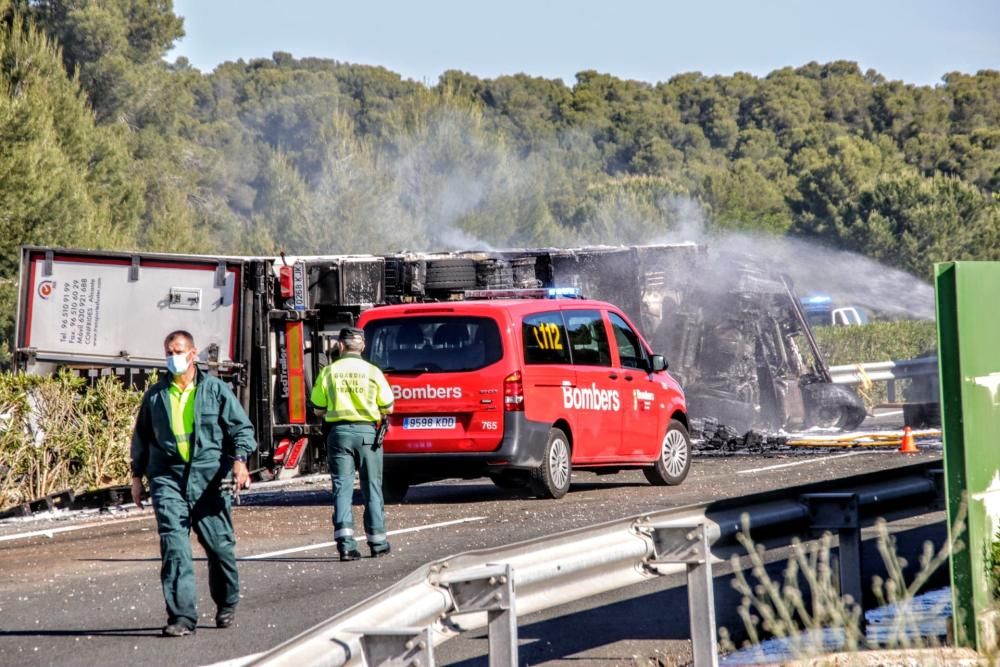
x=531 y=293
x=817 y=299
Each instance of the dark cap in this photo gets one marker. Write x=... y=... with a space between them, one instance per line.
x=350 y=333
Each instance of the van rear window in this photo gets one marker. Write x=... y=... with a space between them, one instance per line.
x=433 y=344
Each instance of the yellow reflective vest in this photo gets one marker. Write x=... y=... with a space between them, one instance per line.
x=352 y=390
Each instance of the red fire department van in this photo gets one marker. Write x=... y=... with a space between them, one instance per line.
x=523 y=390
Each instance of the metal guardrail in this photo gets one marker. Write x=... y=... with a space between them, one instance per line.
x=887 y=371
x=491 y=587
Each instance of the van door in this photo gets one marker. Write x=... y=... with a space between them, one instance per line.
x=447 y=379
x=547 y=372
x=642 y=424
x=595 y=404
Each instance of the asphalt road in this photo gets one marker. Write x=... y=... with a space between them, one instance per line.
x=87 y=591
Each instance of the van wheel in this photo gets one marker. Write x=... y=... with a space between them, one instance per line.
x=394 y=488
x=672 y=465
x=551 y=479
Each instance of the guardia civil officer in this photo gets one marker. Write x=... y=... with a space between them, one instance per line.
x=353 y=395
x=191 y=432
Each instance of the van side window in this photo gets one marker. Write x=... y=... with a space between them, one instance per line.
x=545 y=339
x=630 y=350
x=588 y=338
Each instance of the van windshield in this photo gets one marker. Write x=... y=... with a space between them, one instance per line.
x=433 y=344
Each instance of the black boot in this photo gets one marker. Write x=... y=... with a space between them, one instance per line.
x=353 y=554
x=178 y=629
x=225 y=616
x=380 y=550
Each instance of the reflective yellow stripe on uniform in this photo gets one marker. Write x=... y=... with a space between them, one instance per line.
x=352 y=390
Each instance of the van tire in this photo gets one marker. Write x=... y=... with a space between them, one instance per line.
x=552 y=478
x=394 y=489
x=674 y=461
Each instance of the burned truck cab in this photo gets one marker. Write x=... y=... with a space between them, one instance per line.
x=740 y=345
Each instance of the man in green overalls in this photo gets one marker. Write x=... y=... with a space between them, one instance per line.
x=178 y=445
x=353 y=396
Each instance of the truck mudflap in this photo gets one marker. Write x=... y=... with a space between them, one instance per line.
x=522 y=448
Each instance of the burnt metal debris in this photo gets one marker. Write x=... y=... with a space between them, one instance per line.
x=730 y=327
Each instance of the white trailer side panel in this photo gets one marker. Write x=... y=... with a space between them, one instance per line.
x=98 y=309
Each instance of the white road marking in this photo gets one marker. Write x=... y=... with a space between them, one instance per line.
x=49 y=532
x=891 y=413
x=362 y=538
x=809 y=460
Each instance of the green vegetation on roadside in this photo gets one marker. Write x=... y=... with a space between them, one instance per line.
x=57 y=434
x=876 y=341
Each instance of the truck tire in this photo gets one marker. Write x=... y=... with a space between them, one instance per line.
x=674 y=461
x=832 y=406
x=551 y=479
x=494 y=274
x=451 y=273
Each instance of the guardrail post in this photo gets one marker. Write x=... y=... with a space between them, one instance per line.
x=891 y=391
x=689 y=545
x=490 y=589
x=402 y=647
x=839 y=512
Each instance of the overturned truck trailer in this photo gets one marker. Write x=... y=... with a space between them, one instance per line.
x=732 y=332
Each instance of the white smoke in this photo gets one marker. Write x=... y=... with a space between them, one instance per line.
x=847 y=277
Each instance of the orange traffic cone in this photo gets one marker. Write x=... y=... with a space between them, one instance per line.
x=909 y=444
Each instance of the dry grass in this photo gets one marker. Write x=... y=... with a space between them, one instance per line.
x=807 y=601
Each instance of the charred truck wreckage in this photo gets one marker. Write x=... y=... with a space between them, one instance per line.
x=733 y=333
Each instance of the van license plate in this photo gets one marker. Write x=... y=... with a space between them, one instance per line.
x=428 y=422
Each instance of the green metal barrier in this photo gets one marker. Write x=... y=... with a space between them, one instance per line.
x=968 y=321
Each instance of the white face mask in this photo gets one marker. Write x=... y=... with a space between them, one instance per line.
x=177 y=363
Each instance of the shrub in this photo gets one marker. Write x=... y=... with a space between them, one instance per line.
x=877 y=341
x=58 y=433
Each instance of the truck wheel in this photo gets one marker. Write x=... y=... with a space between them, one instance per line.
x=674 y=461
x=451 y=273
x=841 y=417
x=830 y=417
x=394 y=488
x=551 y=479
x=832 y=406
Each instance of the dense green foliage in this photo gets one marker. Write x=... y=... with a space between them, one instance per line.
x=877 y=341
x=104 y=144
x=58 y=436
x=315 y=155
